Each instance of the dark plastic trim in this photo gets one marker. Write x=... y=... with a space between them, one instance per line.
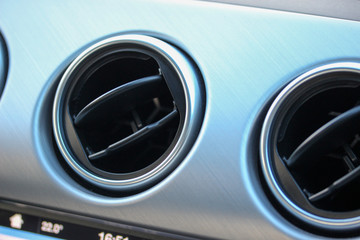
x=89 y=221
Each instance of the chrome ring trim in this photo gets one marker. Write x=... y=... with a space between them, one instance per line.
x=190 y=86
x=327 y=223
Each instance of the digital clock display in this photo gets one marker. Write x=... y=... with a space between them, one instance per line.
x=109 y=236
x=19 y=226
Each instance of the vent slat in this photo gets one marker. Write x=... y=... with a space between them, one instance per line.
x=336 y=186
x=330 y=136
x=119 y=98
x=133 y=138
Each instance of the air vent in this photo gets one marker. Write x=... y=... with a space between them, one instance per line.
x=3 y=63
x=127 y=111
x=310 y=147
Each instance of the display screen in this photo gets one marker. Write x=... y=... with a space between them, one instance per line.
x=18 y=226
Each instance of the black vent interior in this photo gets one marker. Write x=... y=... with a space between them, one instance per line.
x=123 y=113
x=316 y=145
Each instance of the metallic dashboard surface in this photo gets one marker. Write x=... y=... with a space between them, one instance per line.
x=245 y=55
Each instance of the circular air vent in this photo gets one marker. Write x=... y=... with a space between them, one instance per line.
x=3 y=63
x=127 y=111
x=310 y=147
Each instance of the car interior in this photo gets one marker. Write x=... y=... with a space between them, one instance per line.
x=194 y=119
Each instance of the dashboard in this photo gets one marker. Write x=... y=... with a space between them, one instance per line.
x=231 y=62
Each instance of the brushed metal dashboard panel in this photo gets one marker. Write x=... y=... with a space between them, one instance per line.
x=245 y=55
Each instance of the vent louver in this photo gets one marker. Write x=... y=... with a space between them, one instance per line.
x=310 y=147
x=126 y=112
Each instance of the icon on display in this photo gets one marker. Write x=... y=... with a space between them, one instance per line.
x=16 y=221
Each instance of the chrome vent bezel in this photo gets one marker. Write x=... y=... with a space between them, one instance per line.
x=267 y=167
x=194 y=109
